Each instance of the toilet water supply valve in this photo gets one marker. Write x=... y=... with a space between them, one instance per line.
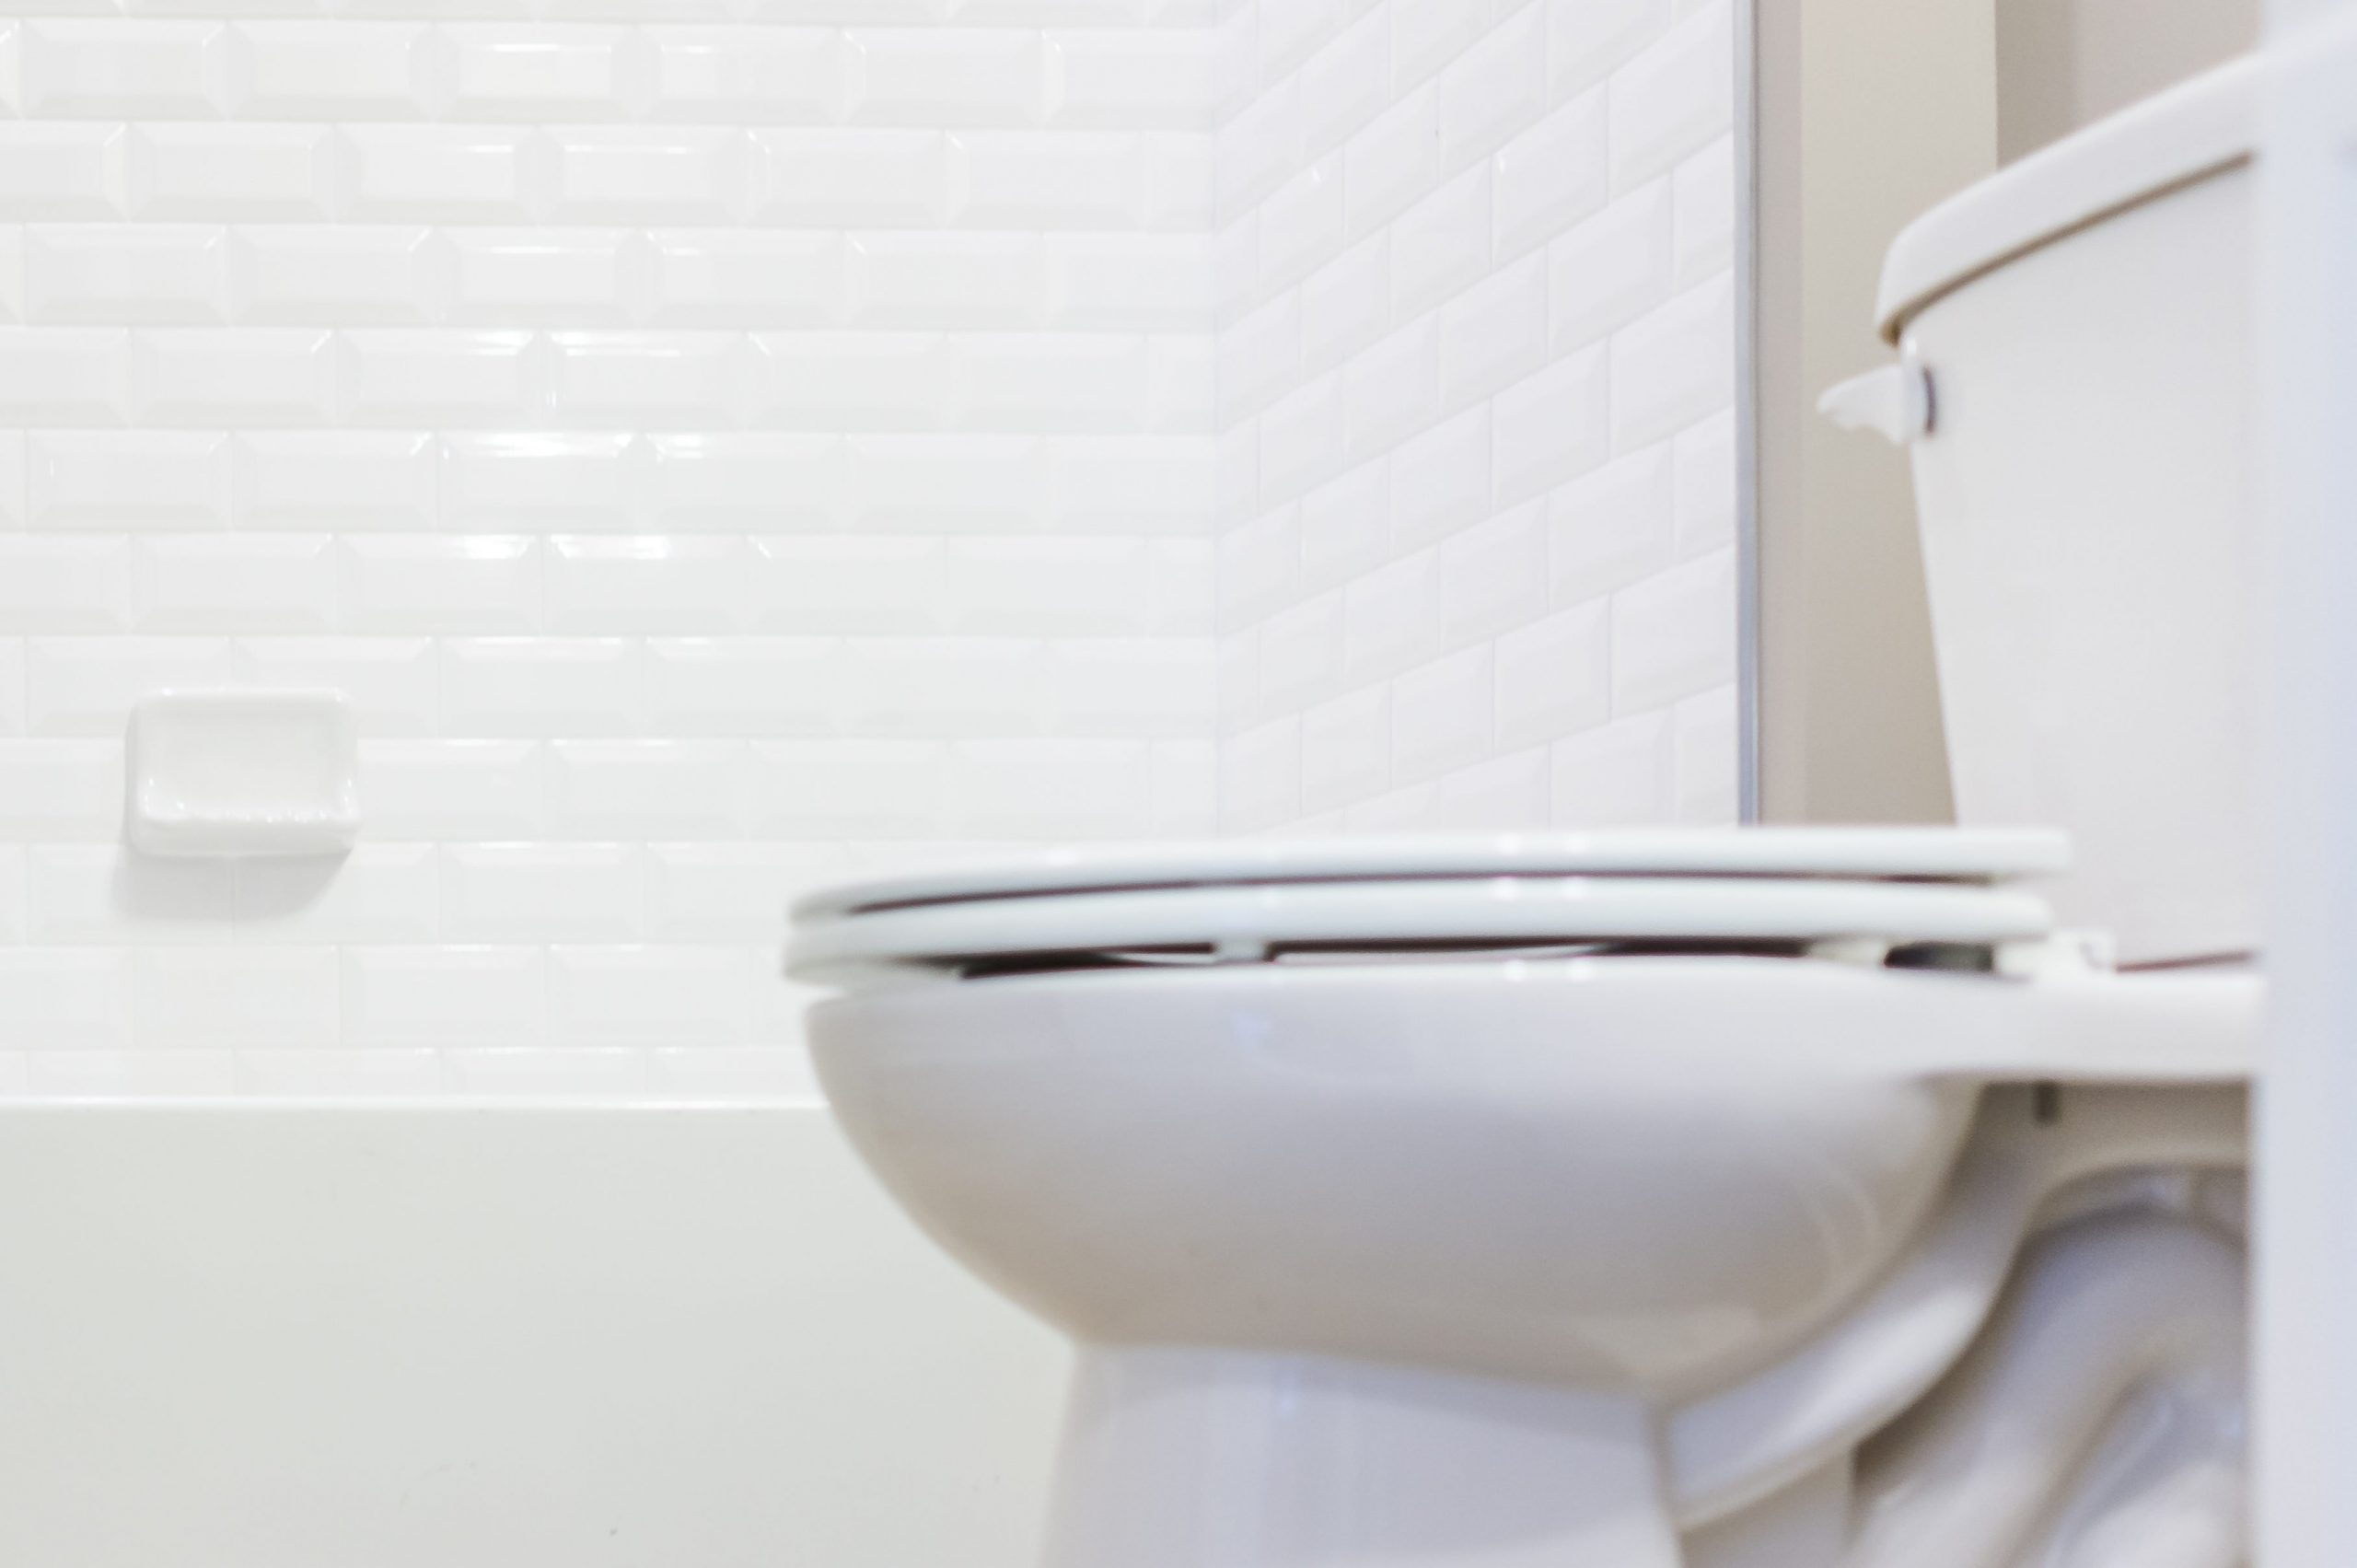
x=1897 y=401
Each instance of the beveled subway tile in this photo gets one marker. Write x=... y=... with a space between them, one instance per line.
x=64 y=376
x=86 y=685
x=685 y=583
x=453 y=790
x=648 y=789
x=554 y=277
x=847 y=381
x=127 y=481
x=104 y=894
x=64 y=999
x=752 y=482
x=1674 y=366
x=540 y=892
x=675 y=380
x=739 y=279
x=471 y=379
x=1179 y=190
x=1129 y=281
x=238 y=377
x=1612 y=527
x=650 y=174
x=1068 y=180
x=1158 y=688
x=50 y=582
x=453 y=10
x=195 y=173
x=1674 y=97
x=949 y=76
x=850 y=788
x=103 y=68
x=1346 y=83
x=53 y=791
x=1495 y=87
x=409 y=583
x=840 y=178
x=538 y=481
x=391 y=682
x=121 y=274
x=944 y=687
x=339 y=69
x=1145 y=484
x=748 y=75
x=1347 y=303
x=1587 y=40
x=430 y=999
x=1162 y=77
x=62 y=171
x=1049 y=585
x=757 y=686
x=1053 y=381
x=962 y=483
x=287 y=583
x=334 y=275
x=848 y=582
x=241 y=998
x=1064 y=789
x=542 y=686
x=538 y=73
x=1255 y=149
x=777 y=422
x=1183 y=802
x=439 y=173
x=342 y=480
x=1703 y=477
x=1301 y=442
x=12 y=685
x=898 y=279
x=1673 y=635
x=379 y=892
x=653 y=996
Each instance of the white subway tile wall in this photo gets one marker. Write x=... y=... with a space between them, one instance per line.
x=723 y=445
x=716 y=445
x=1476 y=376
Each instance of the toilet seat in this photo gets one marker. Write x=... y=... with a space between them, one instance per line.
x=1782 y=889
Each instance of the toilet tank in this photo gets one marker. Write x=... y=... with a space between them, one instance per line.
x=2084 y=490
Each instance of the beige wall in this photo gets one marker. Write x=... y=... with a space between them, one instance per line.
x=1869 y=112
x=1900 y=111
x=2061 y=63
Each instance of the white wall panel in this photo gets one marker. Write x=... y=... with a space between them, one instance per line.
x=712 y=445
x=1477 y=368
x=722 y=444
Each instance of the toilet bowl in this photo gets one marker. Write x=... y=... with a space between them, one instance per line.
x=1546 y=1200
x=1741 y=1199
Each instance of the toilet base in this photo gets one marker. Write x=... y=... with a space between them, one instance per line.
x=1216 y=1458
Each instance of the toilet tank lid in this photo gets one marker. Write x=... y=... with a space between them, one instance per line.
x=2197 y=128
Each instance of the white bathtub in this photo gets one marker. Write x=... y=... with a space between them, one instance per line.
x=276 y=1336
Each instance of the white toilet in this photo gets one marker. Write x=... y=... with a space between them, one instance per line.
x=1752 y=1199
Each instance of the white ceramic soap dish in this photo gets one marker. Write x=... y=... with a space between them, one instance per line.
x=221 y=774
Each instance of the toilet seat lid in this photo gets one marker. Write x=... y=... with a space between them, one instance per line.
x=1779 y=885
